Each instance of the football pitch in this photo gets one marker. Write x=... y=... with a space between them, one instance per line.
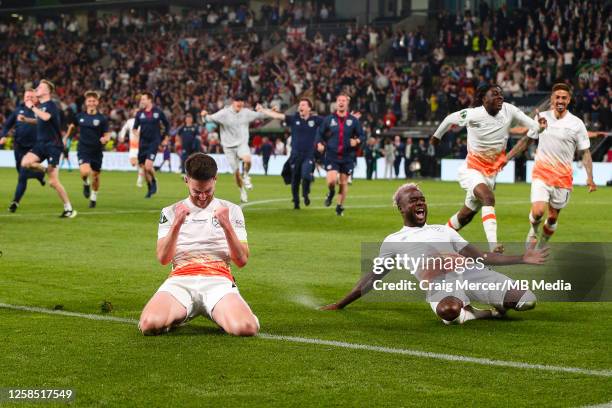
x=370 y=354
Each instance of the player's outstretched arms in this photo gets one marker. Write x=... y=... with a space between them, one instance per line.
x=454 y=119
x=532 y=256
x=269 y=112
x=239 y=251
x=362 y=287
x=166 y=246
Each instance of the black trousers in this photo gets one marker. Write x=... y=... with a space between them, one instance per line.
x=302 y=168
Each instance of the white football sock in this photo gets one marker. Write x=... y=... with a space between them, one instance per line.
x=93 y=196
x=489 y=223
x=454 y=223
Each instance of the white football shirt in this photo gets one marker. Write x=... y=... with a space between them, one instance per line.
x=556 y=148
x=419 y=242
x=487 y=136
x=234 y=126
x=202 y=248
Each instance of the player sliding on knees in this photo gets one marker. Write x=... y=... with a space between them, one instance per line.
x=339 y=136
x=488 y=124
x=451 y=306
x=93 y=136
x=552 y=176
x=200 y=235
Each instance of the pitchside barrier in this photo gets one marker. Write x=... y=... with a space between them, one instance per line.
x=602 y=172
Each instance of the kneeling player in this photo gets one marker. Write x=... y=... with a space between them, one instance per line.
x=200 y=235
x=454 y=306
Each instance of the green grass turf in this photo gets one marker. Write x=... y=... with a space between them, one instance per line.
x=299 y=260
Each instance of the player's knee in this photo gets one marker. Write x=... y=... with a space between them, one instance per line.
x=526 y=302
x=151 y=324
x=537 y=213
x=449 y=308
x=520 y=300
x=488 y=200
x=54 y=183
x=551 y=220
x=244 y=327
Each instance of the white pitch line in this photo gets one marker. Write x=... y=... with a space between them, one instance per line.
x=604 y=405
x=70 y=314
x=352 y=346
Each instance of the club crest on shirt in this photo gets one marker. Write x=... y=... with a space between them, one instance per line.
x=81 y=120
x=333 y=123
x=156 y=115
x=297 y=122
x=96 y=122
x=215 y=222
x=142 y=115
x=311 y=123
x=349 y=122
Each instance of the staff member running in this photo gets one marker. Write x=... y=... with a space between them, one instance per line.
x=93 y=136
x=24 y=122
x=147 y=126
x=49 y=144
x=339 y=136
x=304 y=128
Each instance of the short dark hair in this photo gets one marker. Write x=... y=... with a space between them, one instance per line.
x=307 y=101
x=561 y=86
x=239 y=97
x=200 y=166
x=147 y=94
x=481 y=92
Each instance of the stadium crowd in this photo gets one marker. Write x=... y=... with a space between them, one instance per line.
x=418 y=81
